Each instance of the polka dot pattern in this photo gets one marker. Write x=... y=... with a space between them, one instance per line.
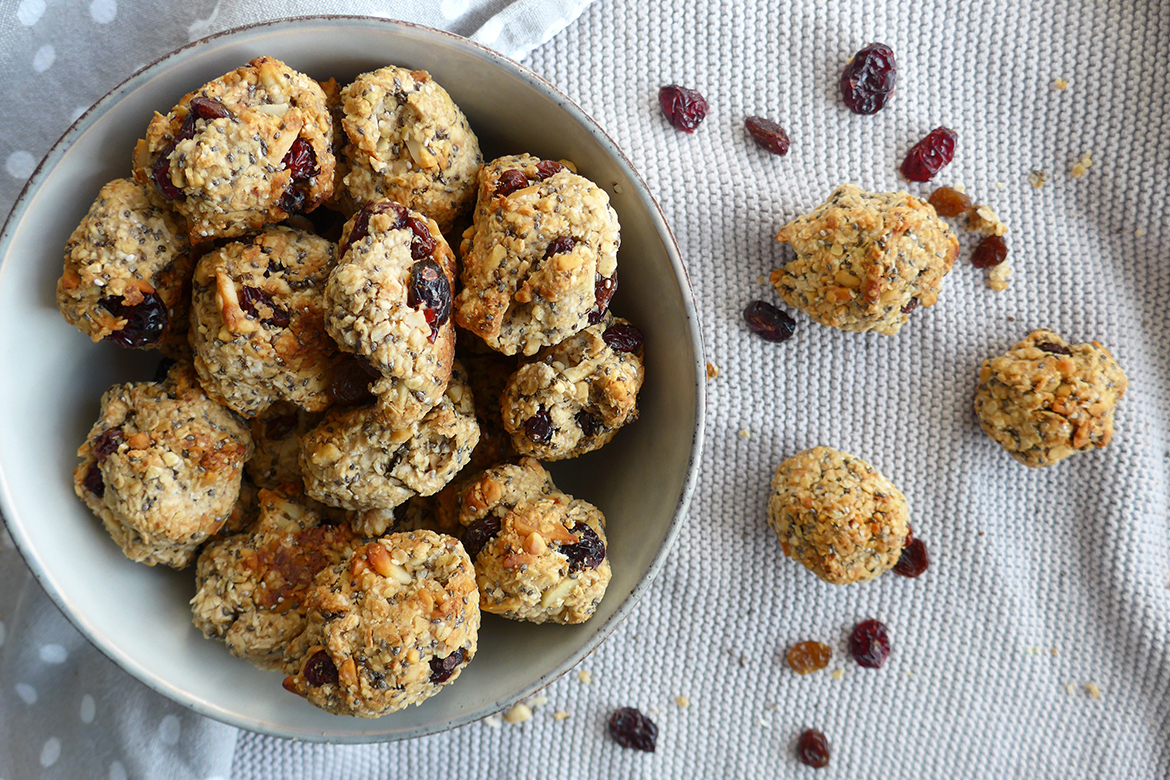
x=103 y=11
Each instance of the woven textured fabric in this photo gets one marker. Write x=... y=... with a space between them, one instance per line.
x=1038 y=643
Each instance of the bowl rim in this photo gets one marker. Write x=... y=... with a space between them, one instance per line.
x=193 y=701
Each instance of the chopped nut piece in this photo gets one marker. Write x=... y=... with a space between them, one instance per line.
x=1038 y=178
x=981 y=219
x=1059 y=84
x=1081 y=166
x=997 y=277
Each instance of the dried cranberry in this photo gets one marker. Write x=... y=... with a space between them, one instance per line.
x=869 y=644
x=281 y=427
x=1053 y=349
x=160 y=174
x=631 y=729
x=106 y=444
x=603 y=290
x=590 y=425
x=509 y=181
x=769 y=321
x=560 y=245
x=350 y=383
x=539 y=427
x=93 y=481
x=251 y=298
x=622 y=337
x=146 y=321
x=361 y=222
x=910 y=306
x=430 y=289
x=293 y=199
x=869 y=79
x=208 y=108
x=990 y=252
x=480 y=533
x=813 y=749
x=443 y=668
x=913 y=560
x=949 y=202
x=767 y=134
x=301 y=160
x=320 y=670
x=588 y=552
x=685 y=108
x=809 y=657
x=546 y=168
x=930 y=155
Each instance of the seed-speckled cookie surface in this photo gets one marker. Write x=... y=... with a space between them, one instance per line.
x=127 y=267
x=388 y=629
x=258 y=321
x=1046 y=399
x=246 y=150
x=276 y=456
x=540 y=554
x=574 y=396
x=161 y=467
x=389 y=301
x=865 y=261
x=353 y=460
x=407 y=141
x=838 y=516
x=543 y=242
x=251 y=588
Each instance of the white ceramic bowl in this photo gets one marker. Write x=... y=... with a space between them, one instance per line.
x=53 y=377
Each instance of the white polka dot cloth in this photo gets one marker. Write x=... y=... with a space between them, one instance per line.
x=1038 y=643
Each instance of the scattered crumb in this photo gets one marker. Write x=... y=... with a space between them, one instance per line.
x=1070 y=689
x=572 y=166
x=763 y=723
x=981 y=219
x=1011 y=319
x=959 y=187
x=1033 y=651
x=997 y=277
x=1038 y=178
x=682 y=701
x=999 y=185
x=1140 y=232
x=760 y=279
x=519 y=713
x=491 y=720
x=537 y=701
x=838 y=674
x=560 y=715
x=585 y=676
x=909 y=674
x=1081 y=166
x=1059 y=84
x=712 y=370
x=742 y=661
x=1055 y=651
x=744 y=433
x=1094 y=691
x=617 y=188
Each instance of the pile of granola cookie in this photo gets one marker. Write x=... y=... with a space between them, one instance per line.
x=345 y=436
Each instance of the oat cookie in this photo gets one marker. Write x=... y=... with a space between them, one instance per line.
x=246 y=150
x=127 y=269
x=245 y=512
x=388 y=629
x=540 y=554
x=276 y=456
x=838 y=516
x=573 y=397
x=540 y=258
x=407 y=141
x=488 y=375
x=251 y=588
x=1046 y=399
x=389 y=302
x=353 y=460
x=865 y=260
x=258 y=321
x=161 y=467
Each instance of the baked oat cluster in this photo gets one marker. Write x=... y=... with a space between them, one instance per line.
x=865 y=261
x=312 y=443
x=838 y=516
x=1045 y=399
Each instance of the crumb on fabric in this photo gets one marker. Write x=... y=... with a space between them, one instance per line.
x=983 y=220
x=838 y=674
x=1059 y=84
x=1038 y=178
x=1070 y=689
x=560 y=715
x=712 y=371
x=1093 y=691
x=519 y=713
x=744 y=433
x=491 y=720
x=1139 y=232
x=585 y=676
x=997 y=277
x=682 y=701
x=1081 y=166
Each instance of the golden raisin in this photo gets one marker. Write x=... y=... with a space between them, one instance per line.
x=949 y=202
x=807 y=657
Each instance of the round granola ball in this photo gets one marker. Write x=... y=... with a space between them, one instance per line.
x=251 y=588
x=353 y=460
x=540 y=554
x=573 y=397
x=838 y=516
x=258 y=321
x=127 y=269
x=389 y=302
x=1046 y=399
x=540 y=259
x=387 y=629
x=248 y=149
x=407 y=141
x=162 y=467
x=865 y=261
